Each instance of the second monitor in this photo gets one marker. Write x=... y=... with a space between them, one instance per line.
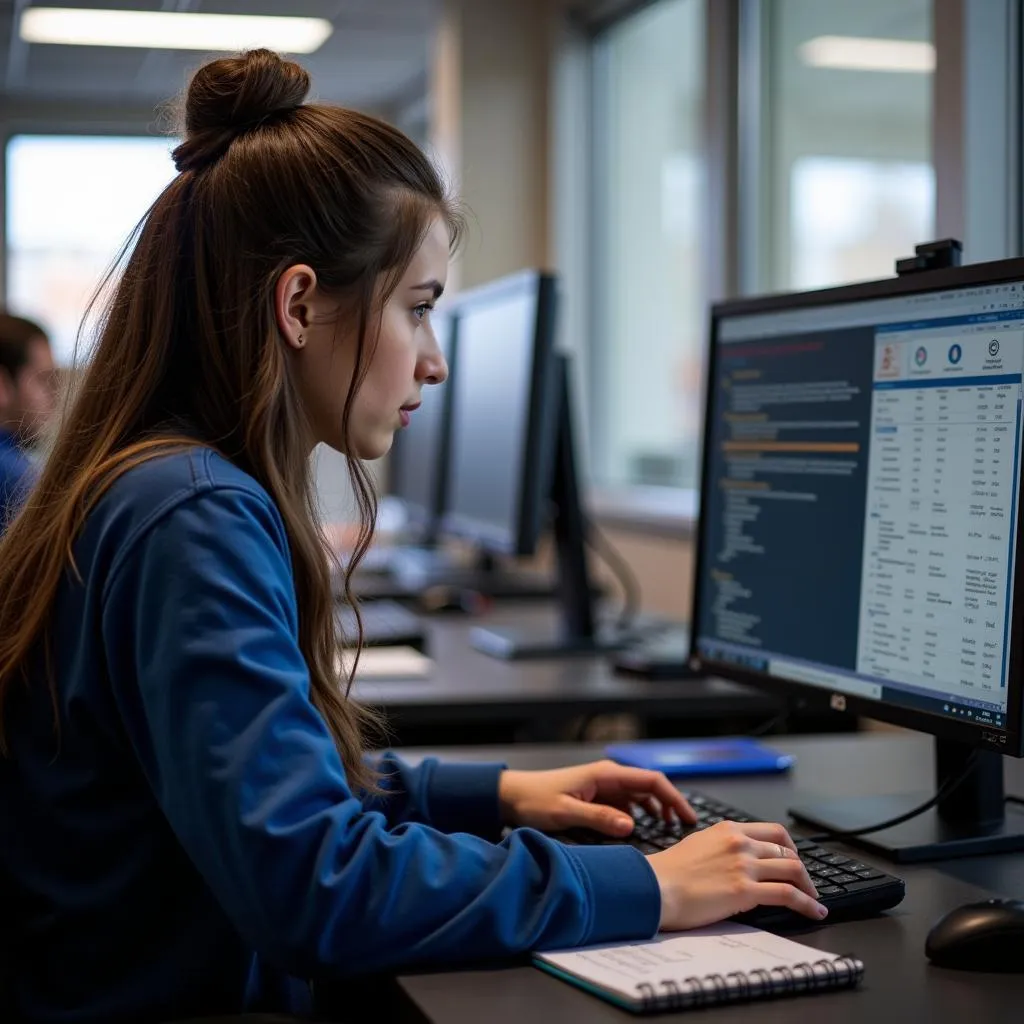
x=512 y=469
x=418 y=480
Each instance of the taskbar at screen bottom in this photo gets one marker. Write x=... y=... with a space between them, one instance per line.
x=959 y=708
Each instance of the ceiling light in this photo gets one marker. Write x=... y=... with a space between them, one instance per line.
x=851 y=53
x=167 y=30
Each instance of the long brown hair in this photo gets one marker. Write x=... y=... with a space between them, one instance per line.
x=189 y=350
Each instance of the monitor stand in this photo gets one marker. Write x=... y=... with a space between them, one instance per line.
x=974 y=818
x=420 y=569
x=576 y=630
x=415 y=572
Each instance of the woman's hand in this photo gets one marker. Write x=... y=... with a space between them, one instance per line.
x=596 y=796
x=730 y=868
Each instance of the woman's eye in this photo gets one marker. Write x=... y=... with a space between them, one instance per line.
x=422 y=310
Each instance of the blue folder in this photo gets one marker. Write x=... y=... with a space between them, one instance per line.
x=728 y=756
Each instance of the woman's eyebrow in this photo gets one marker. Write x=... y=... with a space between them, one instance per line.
x=433 y=285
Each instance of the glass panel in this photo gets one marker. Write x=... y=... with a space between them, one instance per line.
x=848 y=139
x=72 y=201
x=646 y=395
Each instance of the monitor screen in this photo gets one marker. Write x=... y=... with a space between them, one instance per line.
x=499 y=413
x=416 y=469
x=860 y=499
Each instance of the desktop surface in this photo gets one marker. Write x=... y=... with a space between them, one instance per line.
x=899 y=982
x=468 y=690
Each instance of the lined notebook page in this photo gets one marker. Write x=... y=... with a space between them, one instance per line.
x=722 y=949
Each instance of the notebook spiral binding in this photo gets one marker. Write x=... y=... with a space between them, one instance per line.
x=694 y=992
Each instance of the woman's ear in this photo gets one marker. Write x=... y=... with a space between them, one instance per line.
x=294 y=296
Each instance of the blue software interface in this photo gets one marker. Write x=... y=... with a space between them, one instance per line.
x=861 y=497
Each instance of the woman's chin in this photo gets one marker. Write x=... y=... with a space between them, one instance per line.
x=376 y=447
x=366 y=448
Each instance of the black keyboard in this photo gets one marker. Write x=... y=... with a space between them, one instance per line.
x=385 y=624
x=847 y=886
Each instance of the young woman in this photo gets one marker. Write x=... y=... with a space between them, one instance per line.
x=188 y=822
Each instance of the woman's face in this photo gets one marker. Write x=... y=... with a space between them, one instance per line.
x=403 y=357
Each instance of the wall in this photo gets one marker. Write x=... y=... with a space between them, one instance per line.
x=663 y=567
x=489 y=125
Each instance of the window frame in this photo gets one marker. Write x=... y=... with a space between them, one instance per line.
x=664 y=509
x=46 y=118
x=94 y=123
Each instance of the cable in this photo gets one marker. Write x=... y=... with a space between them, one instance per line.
x=944 y=790
x=766 y=727
x=620 y=569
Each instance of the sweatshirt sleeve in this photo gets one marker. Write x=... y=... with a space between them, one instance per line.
x=450 y=797
x=200 y=627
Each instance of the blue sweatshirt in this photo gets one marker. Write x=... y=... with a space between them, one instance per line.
x=190 y=843
x=16 y=475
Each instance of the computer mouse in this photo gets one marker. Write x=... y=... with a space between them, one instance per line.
x=985 y=936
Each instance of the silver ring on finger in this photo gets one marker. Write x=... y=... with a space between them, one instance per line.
x=782 y=851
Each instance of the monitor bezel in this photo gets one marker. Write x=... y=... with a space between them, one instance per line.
x=1009 y=741
x=534 y=474
x=423 y=520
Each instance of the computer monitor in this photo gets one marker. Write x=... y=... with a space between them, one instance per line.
x=512 y=470
x=418 y=462
x=859 y=535
x=504 y=414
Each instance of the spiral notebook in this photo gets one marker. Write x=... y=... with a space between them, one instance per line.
x=722 y=964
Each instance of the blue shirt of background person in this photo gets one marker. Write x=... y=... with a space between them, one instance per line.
x=26 y=404
x=190 y=825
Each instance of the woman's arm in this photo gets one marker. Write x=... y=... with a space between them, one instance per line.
x=200 y=625
x=450 y=797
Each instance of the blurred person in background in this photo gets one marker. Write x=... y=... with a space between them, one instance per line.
x=27 y=399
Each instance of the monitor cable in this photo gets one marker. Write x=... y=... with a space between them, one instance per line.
x=770 y=725
x=621 y=570
x=949 y=786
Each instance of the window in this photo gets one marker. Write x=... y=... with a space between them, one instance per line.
x=72 y=201
x=846 y=140
x=647 y=311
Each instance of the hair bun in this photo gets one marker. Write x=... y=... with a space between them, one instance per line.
x=231 y=95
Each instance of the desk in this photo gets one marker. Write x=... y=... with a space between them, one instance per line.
x=899 y=983
x=470 y=690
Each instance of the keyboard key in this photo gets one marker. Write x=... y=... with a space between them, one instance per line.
x=831 y=890
x=844 y=879
x=645 y=848
x=814 y=851
x=867 y=873
x=862 y=885
x=836 y=860
x=829 y=872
